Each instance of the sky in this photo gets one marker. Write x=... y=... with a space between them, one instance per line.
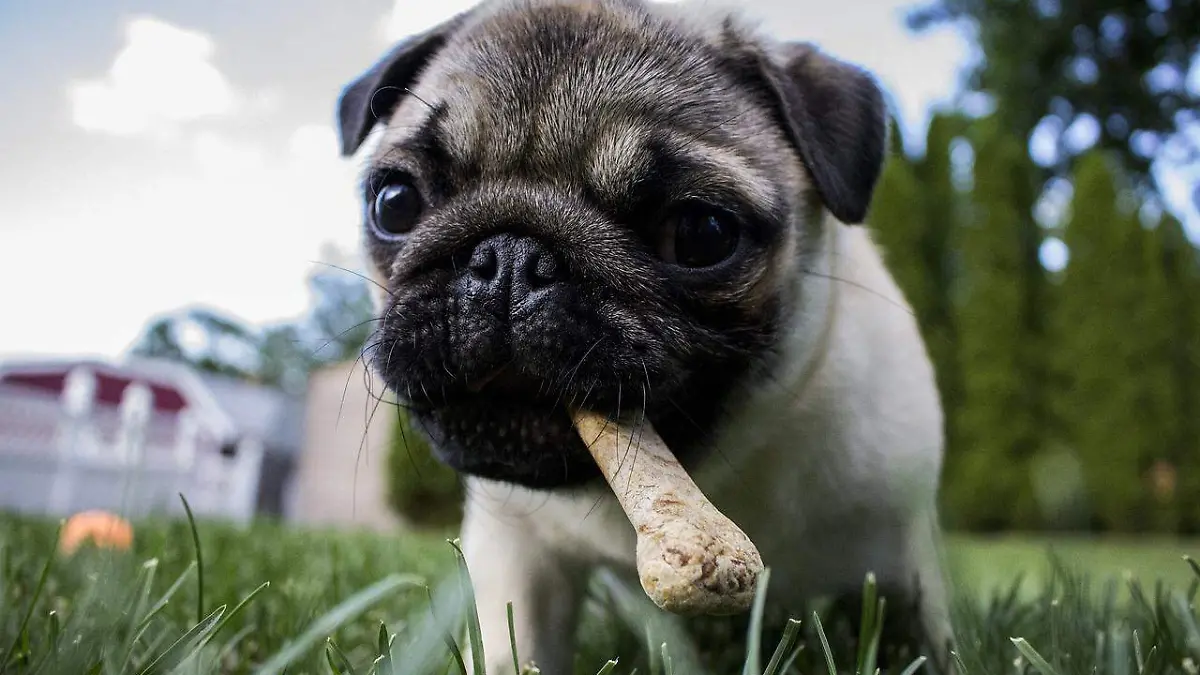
x=163 y=154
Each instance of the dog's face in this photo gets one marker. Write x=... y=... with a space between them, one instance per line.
x=595 y=203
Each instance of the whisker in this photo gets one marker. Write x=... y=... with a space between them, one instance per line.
x=721 y=124
x=357 y=274
x=414 y=95
x=868 y=289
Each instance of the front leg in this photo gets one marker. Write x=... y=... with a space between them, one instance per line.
x=508 y=562
x=917 y=618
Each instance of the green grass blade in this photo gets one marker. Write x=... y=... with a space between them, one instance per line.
x=825 y=645
x=37 y=594
x=1137 y=653
x=512 y=638
x=1193 y=564
x=1186 y=619
x=606 y=669
x=791 y=632
x=199 y=558
x=166 y=597
x=54 y=631
x=867 y=625
x=914 y=666
x=337 y=660
x=655 y=657
x=448 y=638
x=1035 y=659
x=474 y=632
x=383 y=641
x=791 y=660
x=386 y=663
x=958 y=663
x=237 y=609
x=144 y=623
x=147 y=574
x=668 y=664
x=185 y=645
x=347 y=610
x=872 y=637
x=753 y=663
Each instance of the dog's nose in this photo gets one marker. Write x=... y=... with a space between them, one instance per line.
x=516 y=266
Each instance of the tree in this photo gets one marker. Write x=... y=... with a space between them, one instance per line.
x=421 y=489
x=1115 y=346
x=988 y=487
x=942 y=213
x=1181 y=273
x=336 y=328
x=208 y=340
x=1120 y=63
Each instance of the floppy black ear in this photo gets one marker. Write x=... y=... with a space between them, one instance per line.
x=374 y=95
x=836 y=116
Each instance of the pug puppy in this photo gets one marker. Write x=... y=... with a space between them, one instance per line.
x=647 y=210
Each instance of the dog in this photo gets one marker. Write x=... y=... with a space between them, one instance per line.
x=657 y=210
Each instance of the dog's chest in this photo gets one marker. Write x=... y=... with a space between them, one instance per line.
x=779 y=487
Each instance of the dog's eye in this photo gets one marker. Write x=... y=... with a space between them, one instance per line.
x=699 y=236
x=397 y=208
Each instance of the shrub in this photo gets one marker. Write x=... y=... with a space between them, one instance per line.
x=421 y=489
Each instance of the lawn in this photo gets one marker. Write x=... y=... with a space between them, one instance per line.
x=269 y=599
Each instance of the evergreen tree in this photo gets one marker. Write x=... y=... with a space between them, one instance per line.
x=1154 y=336
x=941 y=214
x=1116 y=350
x=990 y=487
x=1181 y=263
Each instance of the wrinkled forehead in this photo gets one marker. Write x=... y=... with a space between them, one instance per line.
x=587 y=89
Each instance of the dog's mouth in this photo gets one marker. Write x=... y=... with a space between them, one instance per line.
x=506 y=381
x=507 y=425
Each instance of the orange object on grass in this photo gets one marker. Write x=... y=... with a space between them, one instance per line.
x=101 y=527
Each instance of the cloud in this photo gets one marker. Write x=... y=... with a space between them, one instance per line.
x=236 y=224
x=409 y=17
x=162 y=79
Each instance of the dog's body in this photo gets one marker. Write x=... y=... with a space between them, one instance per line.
x=839 y=485
x=638 y=207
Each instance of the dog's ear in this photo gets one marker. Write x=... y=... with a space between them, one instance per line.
x=835 y=114
x=374 y=95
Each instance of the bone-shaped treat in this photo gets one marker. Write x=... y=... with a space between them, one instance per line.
x=691 y=558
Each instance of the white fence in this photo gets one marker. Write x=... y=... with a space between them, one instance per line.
x=63 y=455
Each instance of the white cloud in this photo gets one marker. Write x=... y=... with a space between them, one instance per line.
x=234 y=226
x=161 y=79
x=409 y=17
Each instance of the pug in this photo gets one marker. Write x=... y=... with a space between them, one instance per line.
x=651 y=211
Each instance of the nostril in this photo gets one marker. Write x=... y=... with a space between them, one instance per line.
x=483 y=263
x=545 y=270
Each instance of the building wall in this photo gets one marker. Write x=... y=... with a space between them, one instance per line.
x=51 y=466
x=340 y=477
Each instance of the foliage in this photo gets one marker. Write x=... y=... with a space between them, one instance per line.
x=996 y=311
x=1065 y=393
x=421 y=489
x=335 y=329
x=321 y=602
x=1116 y=349
x=1122 y=64
x=1182 y=278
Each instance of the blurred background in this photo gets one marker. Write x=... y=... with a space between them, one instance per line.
x=181 y=299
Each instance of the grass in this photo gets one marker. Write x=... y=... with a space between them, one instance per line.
x=214 y=598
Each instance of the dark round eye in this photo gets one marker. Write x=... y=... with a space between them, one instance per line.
x=699 y=236
x=397 y=208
